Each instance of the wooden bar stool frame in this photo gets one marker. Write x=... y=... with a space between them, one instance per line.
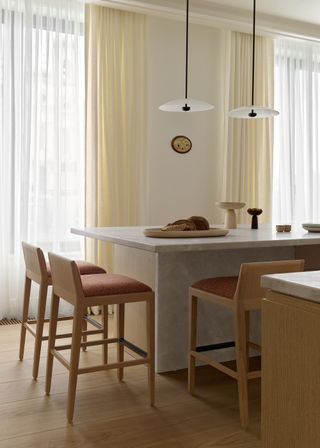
x=36 y=270
x=247 y=297
x=67 y=285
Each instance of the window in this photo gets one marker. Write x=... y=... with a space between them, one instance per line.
x=41 y=133
x=296 y=176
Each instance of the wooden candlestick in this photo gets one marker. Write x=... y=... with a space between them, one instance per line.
x=254 y=212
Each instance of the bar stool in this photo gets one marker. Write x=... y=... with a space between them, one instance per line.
x=38 y=270
x=96 y=290
x=241 y=295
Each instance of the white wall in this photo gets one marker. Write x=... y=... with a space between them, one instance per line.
x=181 y=185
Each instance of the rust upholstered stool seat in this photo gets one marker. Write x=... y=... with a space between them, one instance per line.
x=221 y=286
x=241 y=295
x=39 y=271
x=111 y=284
x=96 y=290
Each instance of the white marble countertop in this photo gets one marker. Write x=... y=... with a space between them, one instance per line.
x=240 y=238
x=305 y=285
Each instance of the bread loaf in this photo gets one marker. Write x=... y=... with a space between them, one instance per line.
x=174 y=227
x=189 y=225
x=181 y=224
x=193 y=223
x=200 y=222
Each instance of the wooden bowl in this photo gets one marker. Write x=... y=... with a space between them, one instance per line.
x=283 y=228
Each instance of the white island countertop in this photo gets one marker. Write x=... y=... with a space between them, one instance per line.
x=305 y=285
x=240 y=238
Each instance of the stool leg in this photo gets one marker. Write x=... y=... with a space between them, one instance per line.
x=25 y=312
x=247 y=317
x=74 y=359
x=105 y=332
x=120 y=334
x=84 y=328
x=150 y=347
x=39 y=328
x=242 y=367
x=193 y=305
x=52 y=339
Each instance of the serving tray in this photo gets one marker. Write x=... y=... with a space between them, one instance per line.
x=158 y=233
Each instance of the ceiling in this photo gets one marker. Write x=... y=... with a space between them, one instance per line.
x=297 y=18
x=302 y=10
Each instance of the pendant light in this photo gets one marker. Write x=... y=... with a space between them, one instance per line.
x=186 y=104
x=252 y=112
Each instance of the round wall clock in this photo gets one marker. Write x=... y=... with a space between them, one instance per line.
x=181 y=144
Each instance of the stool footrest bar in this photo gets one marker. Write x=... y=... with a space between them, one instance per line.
x=133 y=348
x=215 y=364
x=88 y=343
x=91 y=332
x=93 y=322
x=60 y=358
x=35 y=321
x=114 y=365
x=254 y=374
x=30 y=329
x=221 y=345
x=84 y=333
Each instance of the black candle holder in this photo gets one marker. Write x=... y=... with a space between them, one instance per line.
x=254 y=212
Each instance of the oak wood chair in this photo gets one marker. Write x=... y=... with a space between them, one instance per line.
x=38 y=271
x=241 y=295
x=96 y=290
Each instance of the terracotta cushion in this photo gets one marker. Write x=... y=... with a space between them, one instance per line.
x=110 y=284
x=221 y=286
x=85 y=268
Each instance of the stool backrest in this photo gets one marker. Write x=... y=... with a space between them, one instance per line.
x=249 y=292
x=66 y=281
x=36 y=267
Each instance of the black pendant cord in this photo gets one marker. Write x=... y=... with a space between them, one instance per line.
x=253 y=113
x=186 y=108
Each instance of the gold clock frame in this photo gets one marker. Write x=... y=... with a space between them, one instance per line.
x=181 y=150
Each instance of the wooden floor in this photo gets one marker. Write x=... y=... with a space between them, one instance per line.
x=111 y=414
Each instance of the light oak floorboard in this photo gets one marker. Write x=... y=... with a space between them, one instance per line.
x=113 y=414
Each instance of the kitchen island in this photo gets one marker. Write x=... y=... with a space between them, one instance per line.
x=171 y=265
x=291 y=360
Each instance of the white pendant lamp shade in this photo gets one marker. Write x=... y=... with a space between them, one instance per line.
x=250 y=112
x=253 y=112
x=186 y=104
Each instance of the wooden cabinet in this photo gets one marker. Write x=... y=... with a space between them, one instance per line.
x=290 y=372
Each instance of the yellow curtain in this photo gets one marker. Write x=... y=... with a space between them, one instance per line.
x=116 y=159
x=248 y=144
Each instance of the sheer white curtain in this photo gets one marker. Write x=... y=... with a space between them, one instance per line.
x=296 y=180
x=41 y=134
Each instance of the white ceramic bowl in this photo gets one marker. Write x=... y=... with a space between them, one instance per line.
x=230 y=205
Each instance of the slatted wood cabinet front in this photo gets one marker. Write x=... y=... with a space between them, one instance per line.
x=290 y=372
